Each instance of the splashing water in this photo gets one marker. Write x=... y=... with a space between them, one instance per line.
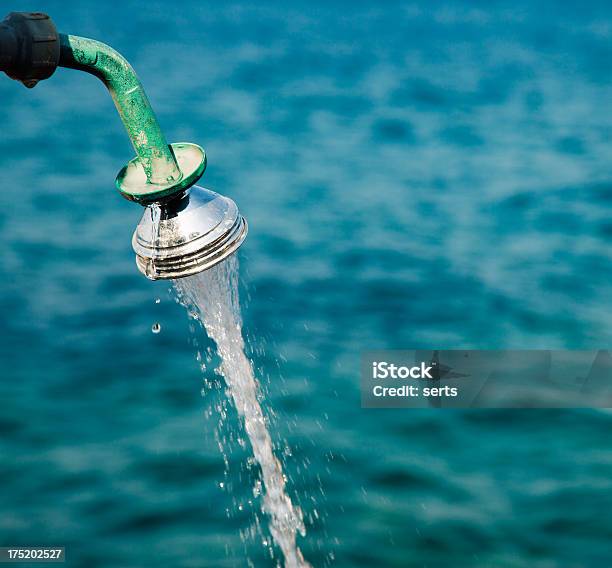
x=212 y=298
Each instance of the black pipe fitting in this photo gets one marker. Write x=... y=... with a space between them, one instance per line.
x=29 y=47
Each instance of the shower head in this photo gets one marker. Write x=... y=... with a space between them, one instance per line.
x=185 y=228
x=187 y=234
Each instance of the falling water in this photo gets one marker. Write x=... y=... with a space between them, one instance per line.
x=212 y=298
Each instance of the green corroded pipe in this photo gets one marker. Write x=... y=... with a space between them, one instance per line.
x=155 y=156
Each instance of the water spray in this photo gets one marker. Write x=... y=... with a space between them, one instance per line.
x=185 y=229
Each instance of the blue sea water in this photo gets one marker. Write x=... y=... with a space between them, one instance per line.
x=415 y=175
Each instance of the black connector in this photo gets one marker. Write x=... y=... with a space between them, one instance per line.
x=29 y=47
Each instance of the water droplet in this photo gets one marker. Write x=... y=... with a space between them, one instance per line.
x=157 y=300
x=221 y=484
x=156 y=327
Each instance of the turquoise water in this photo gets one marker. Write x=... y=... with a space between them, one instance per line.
x=414 y=176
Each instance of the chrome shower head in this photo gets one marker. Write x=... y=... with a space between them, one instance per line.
x=187 y=234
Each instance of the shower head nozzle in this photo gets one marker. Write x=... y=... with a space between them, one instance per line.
x=187 y=234
x=185 y=229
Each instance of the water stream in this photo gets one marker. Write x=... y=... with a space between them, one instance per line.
x=212 y=298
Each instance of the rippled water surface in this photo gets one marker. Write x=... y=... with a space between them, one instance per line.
x=414 y=176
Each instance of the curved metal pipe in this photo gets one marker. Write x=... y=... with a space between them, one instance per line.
x=101 y=60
